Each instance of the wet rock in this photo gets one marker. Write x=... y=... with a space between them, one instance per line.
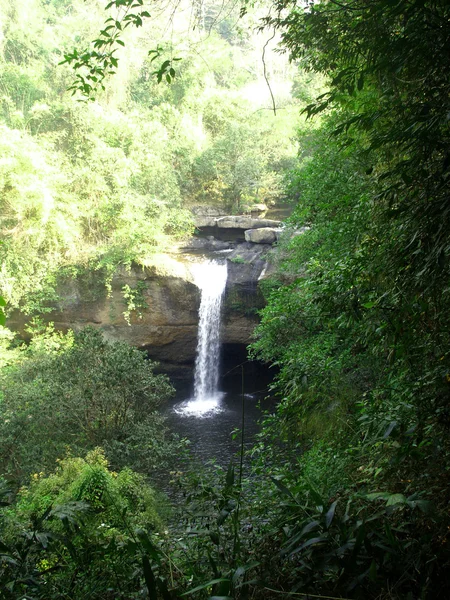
x=207 y=244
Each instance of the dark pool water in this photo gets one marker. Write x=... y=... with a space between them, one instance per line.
x=210 y=432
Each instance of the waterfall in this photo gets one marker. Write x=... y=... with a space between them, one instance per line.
x=210 y=277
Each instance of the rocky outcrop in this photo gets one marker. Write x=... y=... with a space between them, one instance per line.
x=231 y=227
x=204 y=244
x=258 y=210
x=206 y=216
x=210 y=218
x=155 y=306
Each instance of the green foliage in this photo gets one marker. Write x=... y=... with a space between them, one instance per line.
x=214 y=557
x=353 y=542
x=82 y=392
x=97 y=185
x=395 y=92
x=347 y=470
x=94 y=66
x=83 y=531
x=358 y=320
x=135 y=300
x=2 y=311
x=109 y=495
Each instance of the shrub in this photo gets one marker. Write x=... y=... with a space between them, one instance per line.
x=74 y=397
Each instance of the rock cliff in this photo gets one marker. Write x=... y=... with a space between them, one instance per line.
x=155 y=307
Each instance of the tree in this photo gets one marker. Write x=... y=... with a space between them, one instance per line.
x=82 y=392
x=358 y=319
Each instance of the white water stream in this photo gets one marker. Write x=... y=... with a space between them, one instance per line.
x=211 y=278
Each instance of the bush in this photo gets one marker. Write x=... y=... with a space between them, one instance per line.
x=82 y=393
x=78 y=533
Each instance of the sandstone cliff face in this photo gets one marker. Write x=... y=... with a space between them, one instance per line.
x=155 y=306
x=164 y=319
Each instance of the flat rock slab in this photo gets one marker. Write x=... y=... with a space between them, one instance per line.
x=244 y=222
x=233 y=222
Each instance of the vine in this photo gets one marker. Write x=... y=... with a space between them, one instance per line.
x=135 y=300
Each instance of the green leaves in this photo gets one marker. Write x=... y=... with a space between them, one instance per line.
x=166 y=69
x=94 y=66
x=111 y=402
x=2 y=312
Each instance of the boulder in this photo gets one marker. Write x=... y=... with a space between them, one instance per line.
x=207 y=211
x=208 y=244
x=206 y=216
x=258 y=208
x=204 y=221
x=262 y=235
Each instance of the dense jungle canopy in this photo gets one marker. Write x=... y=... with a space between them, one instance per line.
x=346 y=493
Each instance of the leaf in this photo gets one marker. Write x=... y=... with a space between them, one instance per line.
x=309 y=527
x=213 y=564
x=373 y=571
x=43 y=539
x=424 y=505
x=147 y=544
x=205 y=585
x=389 y=430
x=316 y=496
x=242 y=570
x=378 y=496
x=149 y=578
x=396 y=499
x=311 y=542
x=330 y=514
x=298 y=536
x=283 y=488
x=360 y=83
x=229 y=480
x=223 y=515
x=214 y=537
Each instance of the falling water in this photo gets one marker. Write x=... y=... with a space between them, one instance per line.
x=211 y=278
